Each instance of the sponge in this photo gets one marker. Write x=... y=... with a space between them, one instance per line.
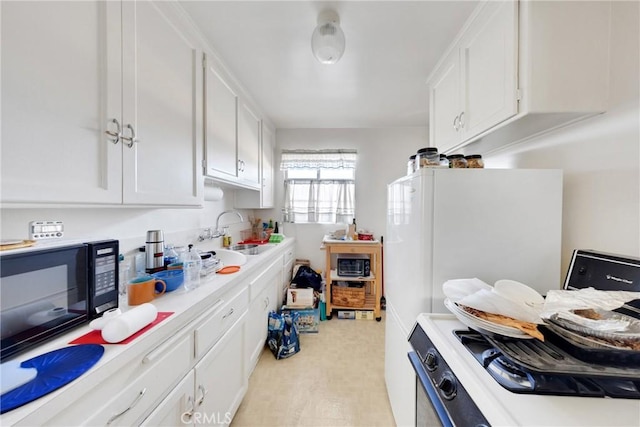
x=276 y=238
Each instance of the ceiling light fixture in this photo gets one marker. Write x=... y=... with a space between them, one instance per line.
x=327 y=41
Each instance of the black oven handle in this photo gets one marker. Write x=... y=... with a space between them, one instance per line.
x=434 y=397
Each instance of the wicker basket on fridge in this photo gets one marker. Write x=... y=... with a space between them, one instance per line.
x=347 y=296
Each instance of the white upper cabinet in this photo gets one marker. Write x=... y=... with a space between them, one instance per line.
x=232 y=132
x=475 y=85
x=161 y=86
x=53 y=101
x=444 y=101
x=518 y=69
x=248 y=146
x=101 y=110
x=221 y=111
x=267 y=167
x=250 y=199
x=488 y=57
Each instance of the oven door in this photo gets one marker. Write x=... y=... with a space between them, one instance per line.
x=429 y=408
x=440 y=398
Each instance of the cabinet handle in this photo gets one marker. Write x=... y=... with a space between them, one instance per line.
x=266 y=303
x=228 y=314
x=161 y=350
x=132 y=139
x=203 y=392
x=134 y=403
x=114 y=136
x=461 y=121
x=189 y=412
x=455 y=123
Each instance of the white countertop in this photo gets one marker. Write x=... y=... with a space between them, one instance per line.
x=504 y=408
x=327 y=239
x=186 y=307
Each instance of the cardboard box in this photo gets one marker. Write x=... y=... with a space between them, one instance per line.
x=299 y=297
x=343 y=314
x=308 y=319
x=364 y=315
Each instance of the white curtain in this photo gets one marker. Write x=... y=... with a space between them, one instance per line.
x=318 y=159
x=319 y=200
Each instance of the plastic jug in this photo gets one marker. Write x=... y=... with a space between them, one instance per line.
x=191 y=264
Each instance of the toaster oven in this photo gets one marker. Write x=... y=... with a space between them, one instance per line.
x=353 y=265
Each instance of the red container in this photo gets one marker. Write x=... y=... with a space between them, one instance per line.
x=365 y=236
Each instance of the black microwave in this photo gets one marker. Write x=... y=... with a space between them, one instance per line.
x=47 y=291
x=353 y=265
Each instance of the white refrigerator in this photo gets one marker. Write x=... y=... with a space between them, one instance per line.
x=460 y=223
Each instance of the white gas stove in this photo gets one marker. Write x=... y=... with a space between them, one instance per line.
x=475 y=386
x=474 y=378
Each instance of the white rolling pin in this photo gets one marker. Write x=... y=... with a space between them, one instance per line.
x=129 y=322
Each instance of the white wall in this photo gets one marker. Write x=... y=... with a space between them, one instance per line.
x=600 y=156
x=129 y=225
x=382 y=158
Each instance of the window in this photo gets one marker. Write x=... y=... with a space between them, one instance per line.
x=319 y=185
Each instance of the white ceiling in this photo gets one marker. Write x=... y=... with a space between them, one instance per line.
x=391 y=47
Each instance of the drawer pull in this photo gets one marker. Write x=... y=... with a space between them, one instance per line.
x=134 y=403
x=186 y=416
x=203 y=392
x=161 y=350
x=228 y=314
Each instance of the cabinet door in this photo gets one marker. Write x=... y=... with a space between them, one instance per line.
x=220 y=378
x=177 y=409
x=54 y=95
x=444 y=104
x=248 y=146
x=257 y=328
x=258 y=319
x=221 y=106
x=268 y=144
x=162 y=106
x=489 y=64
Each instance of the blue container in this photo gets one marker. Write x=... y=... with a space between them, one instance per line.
x=173 y=279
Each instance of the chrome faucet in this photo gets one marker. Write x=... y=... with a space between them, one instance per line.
x=217 y=232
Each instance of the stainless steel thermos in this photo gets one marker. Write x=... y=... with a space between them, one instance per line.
x=154 y=251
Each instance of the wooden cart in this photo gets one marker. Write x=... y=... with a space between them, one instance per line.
x=373 y=282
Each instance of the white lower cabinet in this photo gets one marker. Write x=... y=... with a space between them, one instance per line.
x=129 y=395
x=287 y=275
x=177 y=408
x=220 y=379
x=263 y=291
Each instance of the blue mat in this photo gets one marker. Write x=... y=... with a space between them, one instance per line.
x=55 y=369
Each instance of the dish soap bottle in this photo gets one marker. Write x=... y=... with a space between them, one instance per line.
x=226 y=238
x=351 y=230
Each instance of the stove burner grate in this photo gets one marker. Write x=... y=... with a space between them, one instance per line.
x=496 y=356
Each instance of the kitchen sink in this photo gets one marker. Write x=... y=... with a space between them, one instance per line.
x=231 y=257
x=251 y=249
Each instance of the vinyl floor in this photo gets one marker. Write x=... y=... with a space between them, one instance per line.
x=337 y=379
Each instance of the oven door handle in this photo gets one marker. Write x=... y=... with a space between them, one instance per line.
x=434 y=397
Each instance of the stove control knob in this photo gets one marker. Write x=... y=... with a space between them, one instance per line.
x=448 y=386
x=431 y=360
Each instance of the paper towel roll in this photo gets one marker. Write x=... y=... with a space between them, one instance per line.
x=129 y=322
x=108 y=315
x=213 y=194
